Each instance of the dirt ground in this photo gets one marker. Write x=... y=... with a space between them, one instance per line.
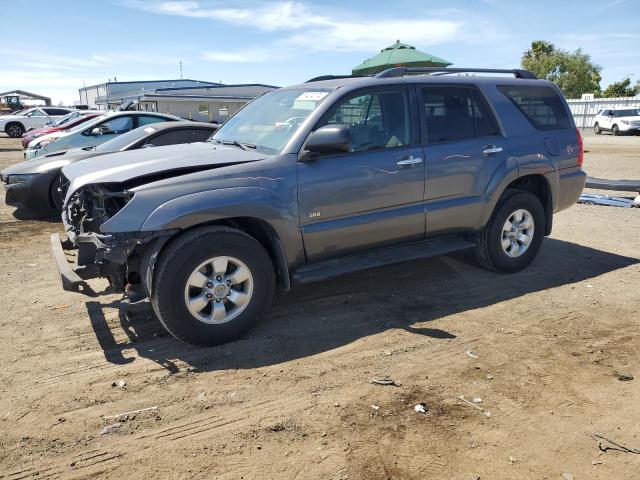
x=294 y=399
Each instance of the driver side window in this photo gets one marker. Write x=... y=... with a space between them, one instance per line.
x=117 y=125
x=376 y=121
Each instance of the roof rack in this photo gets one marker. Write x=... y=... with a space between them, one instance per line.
x=402 y=71
x=331 y=77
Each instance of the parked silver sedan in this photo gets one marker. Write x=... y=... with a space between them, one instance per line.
x=34 y=184
x=94 y=132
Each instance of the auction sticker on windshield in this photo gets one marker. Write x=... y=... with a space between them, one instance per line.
x=311 y=96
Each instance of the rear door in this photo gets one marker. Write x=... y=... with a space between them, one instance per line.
x=371 y=196
x=463 y=148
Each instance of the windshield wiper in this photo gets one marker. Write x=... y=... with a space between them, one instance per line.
x=236 y=143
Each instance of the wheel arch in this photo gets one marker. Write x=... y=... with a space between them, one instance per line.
x=14 y=122
x=538 y=185
x=256 y=228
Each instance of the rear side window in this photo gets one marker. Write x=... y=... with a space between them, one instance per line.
x=150 y=119
x=180 y=136
x=541 y=105
x=456 y=113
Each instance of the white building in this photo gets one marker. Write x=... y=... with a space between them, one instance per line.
x=204 y=101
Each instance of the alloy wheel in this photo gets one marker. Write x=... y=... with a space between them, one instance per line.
x=218 y=290
x=517 y=233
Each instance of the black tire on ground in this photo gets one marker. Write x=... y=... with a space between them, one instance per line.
x=182 y=256
x=615 y=130
x=55 y=195
x=14 y=130
x=596 y=129
x=489 y=251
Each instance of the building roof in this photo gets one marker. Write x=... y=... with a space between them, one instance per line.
x=26 y=95
x=151 y=81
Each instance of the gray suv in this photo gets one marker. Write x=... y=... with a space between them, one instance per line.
x=316 y=180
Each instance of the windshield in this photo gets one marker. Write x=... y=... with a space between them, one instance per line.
x=121 y=141
x=270 y=121
x=63 y=120
x=631 y=112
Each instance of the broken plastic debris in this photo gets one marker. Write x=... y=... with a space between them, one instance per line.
x=471 y=354
x=476 y=400
x=420 y=408
x=110 y=429
x=384 y=381
x=486 y=413
x=375 y=407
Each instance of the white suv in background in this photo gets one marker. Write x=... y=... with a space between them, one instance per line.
x=624 y=120
x=36 y=117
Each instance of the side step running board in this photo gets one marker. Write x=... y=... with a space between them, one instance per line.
x=318 y=271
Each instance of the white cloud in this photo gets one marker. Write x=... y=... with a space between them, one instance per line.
x=246 y=55
x=303 y=28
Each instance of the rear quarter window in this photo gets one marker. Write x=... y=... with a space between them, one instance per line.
x=540 y=105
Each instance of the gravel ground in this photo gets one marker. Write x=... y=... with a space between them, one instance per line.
x=542 y=348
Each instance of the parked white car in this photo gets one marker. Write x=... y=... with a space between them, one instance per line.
x=94 y=132
x=618 y=121
x=18 y=123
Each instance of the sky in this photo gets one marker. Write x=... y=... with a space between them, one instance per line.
x=54 y=47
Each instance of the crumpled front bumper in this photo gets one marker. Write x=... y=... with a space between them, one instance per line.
x=72 y=275
x=96 y=255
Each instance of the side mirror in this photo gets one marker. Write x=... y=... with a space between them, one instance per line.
x=611 y=114
x=330 y=139
x=96 y=131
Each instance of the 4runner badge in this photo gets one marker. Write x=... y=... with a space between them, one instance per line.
x=314 y=214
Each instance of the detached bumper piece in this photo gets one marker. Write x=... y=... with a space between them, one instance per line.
x=72 y=276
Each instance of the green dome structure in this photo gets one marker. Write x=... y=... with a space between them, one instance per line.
x=398 y=55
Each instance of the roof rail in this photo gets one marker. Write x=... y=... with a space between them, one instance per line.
x=331 y=77
x=402 y=71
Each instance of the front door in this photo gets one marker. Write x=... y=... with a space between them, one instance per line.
x=463 y=149
x=371 y=196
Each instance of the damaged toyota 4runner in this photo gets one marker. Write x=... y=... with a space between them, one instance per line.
x=316 y=180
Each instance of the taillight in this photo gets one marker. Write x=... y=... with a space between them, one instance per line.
x=580 y=149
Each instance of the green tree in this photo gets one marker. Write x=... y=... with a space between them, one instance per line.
x=622 y=88
x=573 y=72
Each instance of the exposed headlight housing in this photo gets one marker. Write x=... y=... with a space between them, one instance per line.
x=44 y=143
x=20 y=177
x=626 y=122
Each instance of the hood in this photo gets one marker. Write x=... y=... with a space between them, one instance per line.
x=47 y=163
x=152 y=164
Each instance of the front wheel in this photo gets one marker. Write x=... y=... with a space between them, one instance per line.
x=615 y=130
x=596 y=129
x=14 y=130
x=211 y=285
x=513 y=236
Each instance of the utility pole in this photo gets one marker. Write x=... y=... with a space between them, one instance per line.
x=180 y=69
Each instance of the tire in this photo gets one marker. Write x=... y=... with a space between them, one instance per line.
x=596 y=129
x=615 y=130
x=54 y=194
x=188 y=257
x=14 y=130
x=490 y=251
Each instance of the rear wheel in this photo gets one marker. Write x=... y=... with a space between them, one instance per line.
x=615 y=130
x=211 y=285
x=596 y=129
x=14 y=130
x=513 y=236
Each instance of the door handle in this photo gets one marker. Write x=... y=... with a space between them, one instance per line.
x=410 y=160
x=490 y=149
